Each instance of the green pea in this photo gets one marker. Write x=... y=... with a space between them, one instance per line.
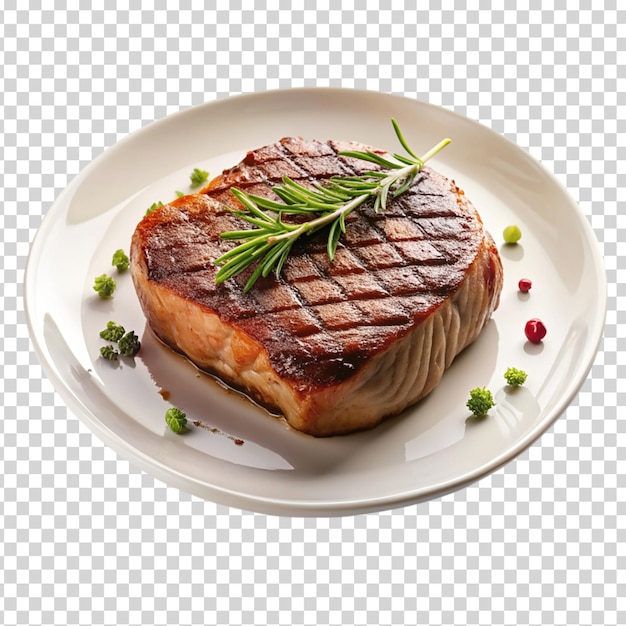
x=512 y=234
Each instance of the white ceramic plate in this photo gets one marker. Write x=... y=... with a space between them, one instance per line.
x=244 y=457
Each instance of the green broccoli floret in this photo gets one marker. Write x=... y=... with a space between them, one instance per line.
x=480 y=401
x=120 y=260
x=104 y=286
x=129 y=344
x=176 y=420
x=515 y=377
x=113 y=332
x=198 y=177
x=109 y=353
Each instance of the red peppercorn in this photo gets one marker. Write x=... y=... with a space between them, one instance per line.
x=535 y=330
x=524 y=285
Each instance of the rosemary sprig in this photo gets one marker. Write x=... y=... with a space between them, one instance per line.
x=268 y=244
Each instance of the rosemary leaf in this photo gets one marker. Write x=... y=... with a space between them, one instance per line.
x=403 y=141
x=269 y=244
x=255 y=276
x=383 y=197
x=242 y=248
x=372 y=157
x=294 y=195
x=333 y=239
x=272 y=256
x=283 y=257
x=404 y=187
x=403 y=159
x=335 y=192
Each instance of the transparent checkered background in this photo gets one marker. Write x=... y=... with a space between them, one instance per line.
x=89 y=539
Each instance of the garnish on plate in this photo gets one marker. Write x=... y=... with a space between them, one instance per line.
x=515 y=377
x=154 y=206
x=128 y=343
x=535 y=330
x=512 y=234
x=269 y=244
x=480 y=401
x=104 y=286
x=109 y=353
x=113 y=331
x=176 y=420
x=198 y=176
x=120 y=260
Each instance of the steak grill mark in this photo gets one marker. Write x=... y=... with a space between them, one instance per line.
x=391 y=270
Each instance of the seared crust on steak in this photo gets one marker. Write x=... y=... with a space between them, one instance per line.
x=334 y=346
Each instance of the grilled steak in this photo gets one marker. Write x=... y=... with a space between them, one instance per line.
x=333 y=346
